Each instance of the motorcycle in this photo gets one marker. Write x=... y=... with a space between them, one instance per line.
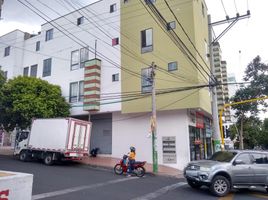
x=122 y=167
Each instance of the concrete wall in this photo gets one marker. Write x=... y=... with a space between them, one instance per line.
x=133 y=129
x=14 y=185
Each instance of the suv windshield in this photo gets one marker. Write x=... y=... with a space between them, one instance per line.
x=223 y=156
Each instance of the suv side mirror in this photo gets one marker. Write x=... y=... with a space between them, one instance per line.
x=238 y=162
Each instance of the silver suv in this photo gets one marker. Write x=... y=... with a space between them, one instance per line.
x=229 y=169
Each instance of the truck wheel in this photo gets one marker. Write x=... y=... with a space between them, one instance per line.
x=48 y=160
x=220 y=186
x=23 y=156
x=193 y=184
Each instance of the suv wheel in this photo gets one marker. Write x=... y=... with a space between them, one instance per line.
x=220 y=186
x=194 y=184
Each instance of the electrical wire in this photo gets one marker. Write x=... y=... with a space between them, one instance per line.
x=224 y=8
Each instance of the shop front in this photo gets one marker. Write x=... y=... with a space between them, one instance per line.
x=200 y=138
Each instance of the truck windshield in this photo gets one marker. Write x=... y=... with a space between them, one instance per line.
x=223 y=156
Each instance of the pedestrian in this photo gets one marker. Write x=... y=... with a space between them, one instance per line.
x=131 y=160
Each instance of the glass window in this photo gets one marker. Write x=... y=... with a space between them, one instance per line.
x=112 y=8
x=73 y=92
x=49 y=34
x=115 y=77
x=76 y=92
x=146 y=40
x=25 y=71
x=81 y=91
x=7 y=51
x=223 y=156
x=146 y=83
x=244 y=157
x=80 y=20
x=115 y=41
x=33 y=72
x=75 y=60
x=171 y=25
x=83 y=57
x=172 y=66
x=47 y=67
x=260 y=158
x=37 y=46
x=150 y=1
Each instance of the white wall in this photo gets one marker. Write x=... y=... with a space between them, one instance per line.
x=131 y=130
x=60 y=48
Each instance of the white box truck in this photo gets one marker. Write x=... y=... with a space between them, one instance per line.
x=54 y=139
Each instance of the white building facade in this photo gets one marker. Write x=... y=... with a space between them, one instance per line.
x=82 y=50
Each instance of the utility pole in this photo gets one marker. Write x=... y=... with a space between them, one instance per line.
x=1 y=4
x=218 y=145
x=153 y=120
x=216 y=129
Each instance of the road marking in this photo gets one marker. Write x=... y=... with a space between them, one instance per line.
x=79 y=188
x=230 y=196
x=160 y=192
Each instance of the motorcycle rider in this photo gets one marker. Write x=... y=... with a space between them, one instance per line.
x=131 y=160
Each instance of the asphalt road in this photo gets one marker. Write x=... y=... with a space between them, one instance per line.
x=73 y=181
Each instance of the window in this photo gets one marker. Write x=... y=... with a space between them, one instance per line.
x=244 y=157
x=80 y=20
x=33 y=72
x=112 y=8
x=25 y=71
x=37 y=46
x=171 y=25
x=146 y=83
x=75 y=60
x=260 y=158
x=146 y=40
x=47 y=67
x=7 y=51
x=76 y=92
x=115 y=41
x=115 y=77
x=150 y=1
x=49 y=34
x=172 y=66
x=83 y=57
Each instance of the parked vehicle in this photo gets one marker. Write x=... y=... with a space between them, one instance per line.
x=54 y=140
x=229 y=169
x=122 y=167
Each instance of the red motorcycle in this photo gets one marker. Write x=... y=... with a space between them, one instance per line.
x=122 y=167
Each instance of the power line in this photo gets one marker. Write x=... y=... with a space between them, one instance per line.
x=184 y=31
x=224 y=9
x=174 y=37
x=235 y=6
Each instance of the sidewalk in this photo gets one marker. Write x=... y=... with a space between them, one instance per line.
x=108 y=163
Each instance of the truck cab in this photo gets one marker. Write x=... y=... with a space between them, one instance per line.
x=21 y=142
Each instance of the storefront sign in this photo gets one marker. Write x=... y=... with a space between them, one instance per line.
x=169 y=150
x=199 y=120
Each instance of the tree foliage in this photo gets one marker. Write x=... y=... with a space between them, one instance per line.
x=25 y=98
x=248 y=125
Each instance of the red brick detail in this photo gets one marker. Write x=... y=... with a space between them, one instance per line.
x=92 y=89
x=92 y=74
x=91 y=81
x=92 y=96
x=92 y=67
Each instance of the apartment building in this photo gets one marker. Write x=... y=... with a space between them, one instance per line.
x=220 y=67
x=100 y=56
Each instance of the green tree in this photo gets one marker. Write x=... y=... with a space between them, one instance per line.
x=25 y=98
x=263 y=136
x=2 y=78
x=256 y=75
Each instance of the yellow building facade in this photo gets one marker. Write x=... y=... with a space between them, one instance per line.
x=174 y=67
